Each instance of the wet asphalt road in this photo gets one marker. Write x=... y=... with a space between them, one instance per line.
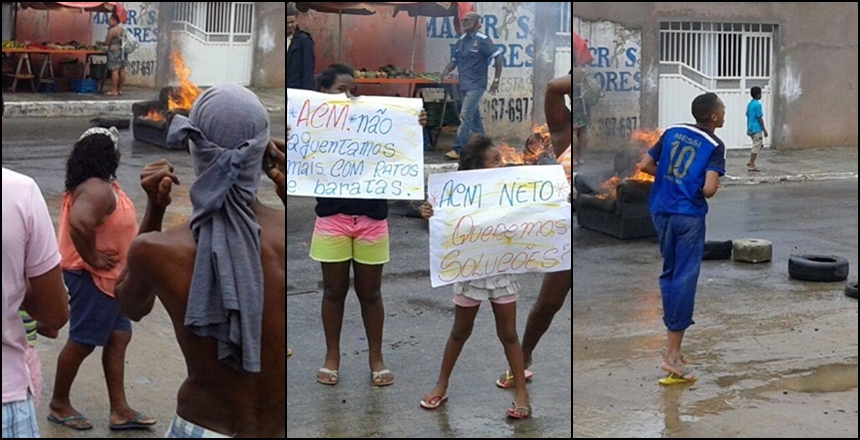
x=776 y=357
x=418 y=320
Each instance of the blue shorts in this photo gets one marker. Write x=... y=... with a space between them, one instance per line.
x=682 y=242
x=94 y=315
x=19 y=419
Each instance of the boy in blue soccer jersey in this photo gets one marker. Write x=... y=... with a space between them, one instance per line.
x=687 y=163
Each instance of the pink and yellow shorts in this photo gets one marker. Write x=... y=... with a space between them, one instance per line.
x=342 y=237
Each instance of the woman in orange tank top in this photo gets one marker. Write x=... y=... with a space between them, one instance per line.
x=98 y=223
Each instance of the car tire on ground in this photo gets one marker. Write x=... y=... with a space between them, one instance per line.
x=717 y=250
x=823 y=268
x=851 y=289
x=752 y=250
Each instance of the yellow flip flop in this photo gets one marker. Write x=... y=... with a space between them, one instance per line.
x=674 y=379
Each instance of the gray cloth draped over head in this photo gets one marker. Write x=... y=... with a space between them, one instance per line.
x=227 y=132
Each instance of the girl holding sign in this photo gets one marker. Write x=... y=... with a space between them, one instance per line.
x=351 y=233
x=556 y=286
x=500 y=290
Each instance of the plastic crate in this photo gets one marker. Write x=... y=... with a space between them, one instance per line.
x=434 y=114
x=84 y=86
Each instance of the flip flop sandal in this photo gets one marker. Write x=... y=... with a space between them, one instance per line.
x=674 y=379
x=332 y=377
x=377 y=379
x=289 y=352
x=514 y=412
x=64 y=422
x=133 y=424
x=439 y=400
x=506 y=381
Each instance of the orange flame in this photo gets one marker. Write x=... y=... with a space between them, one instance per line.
x=538 y=143
x=510 y=156
x=646 y=138
x=155 y=115
x=639 y=175
x=187 y=91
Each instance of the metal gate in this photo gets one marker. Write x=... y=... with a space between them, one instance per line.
x=724 y=58
x=216 y=40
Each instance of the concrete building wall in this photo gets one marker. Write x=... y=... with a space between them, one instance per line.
x=815 y=64
x=270 y=52
x=546 y=42
x=143 y=24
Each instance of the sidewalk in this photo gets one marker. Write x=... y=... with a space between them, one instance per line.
x=90 y=105
x=832 y=163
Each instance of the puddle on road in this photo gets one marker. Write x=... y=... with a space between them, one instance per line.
x=824 y=379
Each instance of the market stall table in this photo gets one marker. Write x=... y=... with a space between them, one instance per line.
x=47 y=64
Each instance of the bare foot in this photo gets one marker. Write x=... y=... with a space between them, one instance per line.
x=676 y=369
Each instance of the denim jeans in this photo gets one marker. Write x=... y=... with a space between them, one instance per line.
x=682 y=242
x=470 y=118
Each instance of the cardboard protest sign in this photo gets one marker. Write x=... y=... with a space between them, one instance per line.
x=499 y=221
x=371 y=147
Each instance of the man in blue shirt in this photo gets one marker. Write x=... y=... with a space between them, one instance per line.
x=687 y=163
x=472 y=54
x=755 y=126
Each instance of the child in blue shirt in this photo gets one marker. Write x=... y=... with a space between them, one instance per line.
x=755 y=127
x=687 y=163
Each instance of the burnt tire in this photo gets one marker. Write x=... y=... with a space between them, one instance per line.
x=820 y=268
x=717 y=250
x=851 y=290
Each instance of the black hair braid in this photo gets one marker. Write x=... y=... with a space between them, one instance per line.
x=93 y=156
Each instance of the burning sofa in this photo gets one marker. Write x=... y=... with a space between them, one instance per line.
x=151 y=119
x=613 y=205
